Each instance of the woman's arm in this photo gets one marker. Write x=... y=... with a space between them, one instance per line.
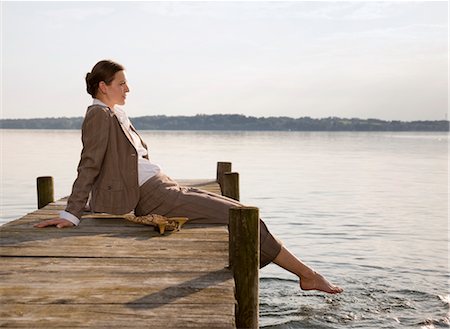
x=95 y=135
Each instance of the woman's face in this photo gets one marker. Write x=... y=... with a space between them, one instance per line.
x=116 y=91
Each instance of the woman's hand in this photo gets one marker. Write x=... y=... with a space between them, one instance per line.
x=58 y=222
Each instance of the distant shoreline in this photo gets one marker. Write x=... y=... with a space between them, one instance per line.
x=238 y=122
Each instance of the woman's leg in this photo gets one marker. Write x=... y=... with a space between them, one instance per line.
x=161 y=195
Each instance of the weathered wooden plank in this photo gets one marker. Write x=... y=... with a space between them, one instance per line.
x=123 y=286
x=109 y=265
x=99 y=251
x=188 y=231
x=166 y=316
x=128 y=279
x=144 y=233
x=59 y=294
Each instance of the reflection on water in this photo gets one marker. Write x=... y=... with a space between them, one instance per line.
x=368 y=210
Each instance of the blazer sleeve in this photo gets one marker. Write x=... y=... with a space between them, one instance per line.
x=95 y=136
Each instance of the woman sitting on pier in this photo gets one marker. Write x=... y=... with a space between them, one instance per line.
x=116 y=171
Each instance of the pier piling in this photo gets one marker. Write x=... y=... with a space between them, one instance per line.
x=244 y=263
x=230 y=185
x=222 y=168
x=44 y=191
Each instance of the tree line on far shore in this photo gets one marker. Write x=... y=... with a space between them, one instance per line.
x=239 y=122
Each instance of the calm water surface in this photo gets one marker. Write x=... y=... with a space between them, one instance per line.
x=368 y=210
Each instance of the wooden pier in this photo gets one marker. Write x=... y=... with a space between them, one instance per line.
x=111 y=273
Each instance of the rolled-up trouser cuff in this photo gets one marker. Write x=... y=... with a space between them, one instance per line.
x=270 y=246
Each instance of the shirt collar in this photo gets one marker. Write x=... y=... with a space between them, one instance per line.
x=115 y=109
x=96 y=101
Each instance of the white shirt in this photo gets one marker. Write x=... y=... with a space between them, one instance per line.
x=146 y=169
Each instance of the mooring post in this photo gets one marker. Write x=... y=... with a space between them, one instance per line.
x=230 y=185
x=244 y=262
x=44 y=191
x=222 y=168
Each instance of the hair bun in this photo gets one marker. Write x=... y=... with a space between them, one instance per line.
x=89 y=88
x=102 y=71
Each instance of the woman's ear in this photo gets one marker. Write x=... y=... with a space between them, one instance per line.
x=102 y=87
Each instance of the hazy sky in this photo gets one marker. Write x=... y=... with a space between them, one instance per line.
x=386 y=60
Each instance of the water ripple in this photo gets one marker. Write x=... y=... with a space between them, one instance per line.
x=370 y=304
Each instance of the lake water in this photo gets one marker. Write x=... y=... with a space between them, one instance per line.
x=368 y=210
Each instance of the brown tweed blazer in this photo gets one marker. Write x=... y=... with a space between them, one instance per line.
x=108 y=167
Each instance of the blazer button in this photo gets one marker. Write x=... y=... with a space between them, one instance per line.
x=109 y=188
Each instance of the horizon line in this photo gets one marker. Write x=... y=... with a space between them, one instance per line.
x=234 y=114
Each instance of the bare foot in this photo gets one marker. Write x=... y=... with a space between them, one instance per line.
x=309 y=279
x=318 y=282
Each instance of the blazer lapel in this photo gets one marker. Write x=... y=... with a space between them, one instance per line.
x=142 y=142
x=124 y=130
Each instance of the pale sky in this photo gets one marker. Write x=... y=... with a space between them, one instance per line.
x=364 y=59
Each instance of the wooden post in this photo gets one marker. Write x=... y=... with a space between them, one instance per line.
x=244 y=262
x=44 y=191
x=230 y=185
x=222 y=168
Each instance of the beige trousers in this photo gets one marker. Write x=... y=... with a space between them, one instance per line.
x=163 y=196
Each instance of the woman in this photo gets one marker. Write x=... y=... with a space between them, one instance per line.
x=118 y=176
